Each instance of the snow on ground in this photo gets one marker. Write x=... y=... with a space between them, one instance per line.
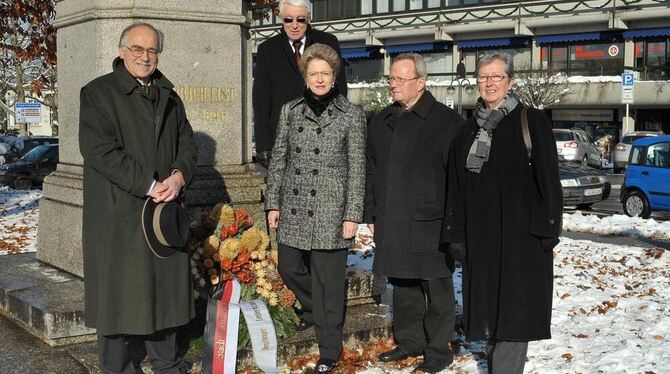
x=611 y=303
x=18 y=220
x=617 y=224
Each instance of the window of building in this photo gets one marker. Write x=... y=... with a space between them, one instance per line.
x=439 y=65
x=652 y=59
x=382 y=6
x=434 y=3
x=398 y=5
x=364 y=70
x=415 y=4
x=596 y=59
x=366 y=7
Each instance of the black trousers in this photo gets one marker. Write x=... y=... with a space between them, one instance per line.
x=122 y=354
x=318 y=279
x=505 y=357
x=423 y=316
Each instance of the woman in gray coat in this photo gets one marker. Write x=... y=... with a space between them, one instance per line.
x=316 y=183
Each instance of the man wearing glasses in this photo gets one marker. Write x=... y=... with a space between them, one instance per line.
x=137 y=144
x=407 y=147
x=277 y=79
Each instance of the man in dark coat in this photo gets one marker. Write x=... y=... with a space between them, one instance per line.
x=408 y=147
x=277 y=79
x=137 y=144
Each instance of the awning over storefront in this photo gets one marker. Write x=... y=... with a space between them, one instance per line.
x=419 y=47
x=646 y=33
x=567 y=38
x=484 y=43
x=356 y=52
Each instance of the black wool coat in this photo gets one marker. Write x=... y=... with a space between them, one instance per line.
x=126 y=144
x=406 y=184
x=509 y=216
x=277 y=80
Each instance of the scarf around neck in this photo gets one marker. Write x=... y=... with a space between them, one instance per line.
x=487 y=120
x=319 y=105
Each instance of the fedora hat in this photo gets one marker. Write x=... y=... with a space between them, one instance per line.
x=165 y=226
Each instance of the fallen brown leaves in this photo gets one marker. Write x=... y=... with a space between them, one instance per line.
x=567 y=357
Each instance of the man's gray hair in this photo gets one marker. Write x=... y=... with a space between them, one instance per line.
x=301 y=3
x=505 y=58
x=419 y=63
x=124 y=34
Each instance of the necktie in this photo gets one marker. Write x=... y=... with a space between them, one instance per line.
x=296 y=47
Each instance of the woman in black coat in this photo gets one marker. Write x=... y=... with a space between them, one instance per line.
x=504 y=210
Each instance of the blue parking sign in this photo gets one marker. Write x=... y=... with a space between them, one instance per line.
x=627 y=79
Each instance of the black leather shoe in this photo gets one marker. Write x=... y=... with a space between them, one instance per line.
x=325 y=365
x=303 y=325
x=433 y=365
x=396 y=354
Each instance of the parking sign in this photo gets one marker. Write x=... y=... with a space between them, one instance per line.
x=627 y=79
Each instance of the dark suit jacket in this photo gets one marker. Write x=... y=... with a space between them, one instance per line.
x=278 y=80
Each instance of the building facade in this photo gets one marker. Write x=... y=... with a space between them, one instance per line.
x=592 y=42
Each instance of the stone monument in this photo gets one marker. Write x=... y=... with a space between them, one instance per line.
x=207 y=59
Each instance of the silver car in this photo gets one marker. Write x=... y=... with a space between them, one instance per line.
x=622 y=150
x=575 y=145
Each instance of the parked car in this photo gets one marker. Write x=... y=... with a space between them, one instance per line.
x=582 y=185
x=646 y=185
x=622 y=149
x=575 y=145
x=30 y=170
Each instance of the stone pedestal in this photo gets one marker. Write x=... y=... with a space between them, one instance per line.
x=206 y=58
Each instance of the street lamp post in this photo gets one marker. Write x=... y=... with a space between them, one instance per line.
x=462 y=83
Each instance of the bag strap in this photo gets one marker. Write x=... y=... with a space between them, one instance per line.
x=524 y=130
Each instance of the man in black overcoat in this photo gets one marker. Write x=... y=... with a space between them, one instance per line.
x=277 y=79
x=408 y=146
x=137 y=144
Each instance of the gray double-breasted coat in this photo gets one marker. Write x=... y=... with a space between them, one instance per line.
x=126 y=144
x=316 y=177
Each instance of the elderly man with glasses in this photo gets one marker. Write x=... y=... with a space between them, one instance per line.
x=137 y=144
x=407 y=148
x=277 y=78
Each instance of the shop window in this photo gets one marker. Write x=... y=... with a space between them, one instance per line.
x=559 y=58
x=596 y=59
x=439 y=65
x=521 y=57
x=656 y=53
x=639 y=54
x=364 y=70
x=544 y=58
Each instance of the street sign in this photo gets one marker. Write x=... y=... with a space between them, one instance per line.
x=627 y=88
x=627 y=79
x=28 y=112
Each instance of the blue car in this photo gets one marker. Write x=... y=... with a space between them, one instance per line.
x=646 y=186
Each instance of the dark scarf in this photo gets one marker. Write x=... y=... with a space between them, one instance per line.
x=487 y=120
x=320 y=104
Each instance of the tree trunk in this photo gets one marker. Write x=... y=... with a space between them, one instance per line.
x=20 y=93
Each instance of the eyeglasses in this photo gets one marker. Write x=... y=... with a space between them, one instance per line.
x=138 y=51
x=401 y=81
x=324 y=74
x=494 y=78
x=299 y=19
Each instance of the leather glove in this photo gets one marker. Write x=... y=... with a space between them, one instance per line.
x=457 y=251
x=263 y=158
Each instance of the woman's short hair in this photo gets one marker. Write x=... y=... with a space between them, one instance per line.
x=321 y=52
x=302 y=3
x=419 y=63
x=506 y=58
x=124 y=34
